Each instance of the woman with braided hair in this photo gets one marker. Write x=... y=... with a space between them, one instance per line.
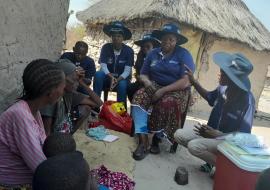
x=21 y=128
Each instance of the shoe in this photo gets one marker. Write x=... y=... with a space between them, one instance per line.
x=206 y=168
x=155 y=145
x=140 y=153
x=155 y=149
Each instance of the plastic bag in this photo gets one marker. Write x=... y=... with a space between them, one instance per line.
x=112 y=120
x=246 y=139
x=119 y=108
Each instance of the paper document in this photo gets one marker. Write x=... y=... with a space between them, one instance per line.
x=110 y=138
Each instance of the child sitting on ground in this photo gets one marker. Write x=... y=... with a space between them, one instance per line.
x=58 y=143
x=62 y=143
x=67 y=171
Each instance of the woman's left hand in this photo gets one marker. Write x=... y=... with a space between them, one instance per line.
x=158 y=94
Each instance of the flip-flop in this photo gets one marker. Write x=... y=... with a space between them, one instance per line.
x=206 y=168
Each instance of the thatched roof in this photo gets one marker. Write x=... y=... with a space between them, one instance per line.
x=229 y=19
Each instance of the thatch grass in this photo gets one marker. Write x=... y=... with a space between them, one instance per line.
x=229 y=19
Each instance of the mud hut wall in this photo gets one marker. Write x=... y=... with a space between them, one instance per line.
x=208 y=74
x=29 y=30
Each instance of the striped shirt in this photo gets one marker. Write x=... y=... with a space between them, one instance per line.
x=21 y=139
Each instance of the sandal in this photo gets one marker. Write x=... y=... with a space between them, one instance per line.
x=140 y=153
x=207 y=168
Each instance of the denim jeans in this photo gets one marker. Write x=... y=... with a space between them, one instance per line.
x=102 y=81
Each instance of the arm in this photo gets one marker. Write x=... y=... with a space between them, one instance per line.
x=145 y=80
x=104 y=68
x=48 y=114
x=103 y=60
x=126 y=73
x=144 y=73
x=203 y=92
x=92 y=69
x=47 y=122
x=89 y=102
x=28 y=141
x=178 y=85
x=248 y=115
x=128 y=66
x=92 y=96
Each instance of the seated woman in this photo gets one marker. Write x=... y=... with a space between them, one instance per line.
x=233 y=110
x=166 y=89
x=57 y=117
x=116 y=61
x=147 y=43
x=21 y=129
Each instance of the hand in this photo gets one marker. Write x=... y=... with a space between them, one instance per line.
x=146 y=82
x=206 y=131
x=158 y=94
x=87 y=81
x=190 y=75
x=150 y=90
x=114 y=83
x=81 y=74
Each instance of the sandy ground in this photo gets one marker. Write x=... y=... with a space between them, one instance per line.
x=157 y=171
x=116 y=156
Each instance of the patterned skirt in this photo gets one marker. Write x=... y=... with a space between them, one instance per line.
x=166 y=113
x=17 y=187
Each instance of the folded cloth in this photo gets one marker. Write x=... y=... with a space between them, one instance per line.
x=113 y=180
x=246 y=139
x=98 y=133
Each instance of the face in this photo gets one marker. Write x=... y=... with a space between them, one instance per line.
x=168 y=43
x=146 y=47
x=57 y=92
x=72 y=82
x=80 y=53
x=117 y=38
x=223 y=79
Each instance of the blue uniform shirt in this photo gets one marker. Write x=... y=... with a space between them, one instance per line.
x=165 y=71
x=216 y=100
x=116 y=66
x=237 y=117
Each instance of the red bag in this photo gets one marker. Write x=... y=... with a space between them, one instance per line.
x=112 y=120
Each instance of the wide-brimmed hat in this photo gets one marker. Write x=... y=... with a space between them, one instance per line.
x=117 y=27
x=236 y=66
x=170 y=29
x=148 y=38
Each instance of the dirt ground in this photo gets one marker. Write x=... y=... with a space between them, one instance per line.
x=157 y=171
